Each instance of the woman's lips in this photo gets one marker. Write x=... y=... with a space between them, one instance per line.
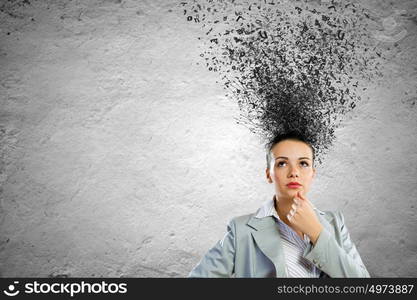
x=293 y=186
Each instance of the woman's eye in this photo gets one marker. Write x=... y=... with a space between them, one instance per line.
x=279 y=164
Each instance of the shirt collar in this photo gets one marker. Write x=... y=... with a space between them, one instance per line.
x=267 y=209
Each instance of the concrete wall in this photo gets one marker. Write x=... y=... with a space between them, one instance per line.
x=120 y=155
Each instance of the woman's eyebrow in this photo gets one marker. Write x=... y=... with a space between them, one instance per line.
x=284 y=157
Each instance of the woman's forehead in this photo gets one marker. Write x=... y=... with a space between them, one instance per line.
x=291 y=149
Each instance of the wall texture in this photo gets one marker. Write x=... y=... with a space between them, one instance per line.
x=120 y=155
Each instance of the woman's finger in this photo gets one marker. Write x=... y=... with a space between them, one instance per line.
x=307 y=201
x=304 y=198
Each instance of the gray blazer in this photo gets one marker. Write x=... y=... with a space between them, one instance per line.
x=252 y=248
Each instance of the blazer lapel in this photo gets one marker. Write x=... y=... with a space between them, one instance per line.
x=268 y=239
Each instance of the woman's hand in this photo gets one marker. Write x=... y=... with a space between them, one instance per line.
x=303 y=217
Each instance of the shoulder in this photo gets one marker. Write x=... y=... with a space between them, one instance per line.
x=240 y=221
x=332 y=216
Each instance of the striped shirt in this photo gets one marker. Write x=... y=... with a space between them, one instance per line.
x=293 y=245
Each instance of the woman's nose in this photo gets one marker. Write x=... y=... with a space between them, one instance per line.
x=293 y=172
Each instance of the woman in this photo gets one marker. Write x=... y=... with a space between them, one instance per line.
x=287 y=236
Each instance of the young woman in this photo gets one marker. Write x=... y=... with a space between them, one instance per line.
x=287 y=236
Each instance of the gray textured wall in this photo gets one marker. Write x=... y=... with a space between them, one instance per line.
x=120 y=155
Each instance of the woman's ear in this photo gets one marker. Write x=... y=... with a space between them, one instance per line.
x=268 y=175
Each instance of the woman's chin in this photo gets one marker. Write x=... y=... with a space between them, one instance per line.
x=292 y=192
x=288 y=193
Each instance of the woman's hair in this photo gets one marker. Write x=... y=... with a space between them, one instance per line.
x=292 y=135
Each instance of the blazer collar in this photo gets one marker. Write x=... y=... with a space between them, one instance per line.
x=267 y=236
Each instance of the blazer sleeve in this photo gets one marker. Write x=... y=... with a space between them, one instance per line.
x=336 y=260
x=219 y=260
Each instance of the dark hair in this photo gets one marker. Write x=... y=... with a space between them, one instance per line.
x=292 y=135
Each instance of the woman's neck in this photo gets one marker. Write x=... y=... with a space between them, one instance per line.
x=283 y=207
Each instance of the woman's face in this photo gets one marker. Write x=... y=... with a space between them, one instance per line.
x=291 y=162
